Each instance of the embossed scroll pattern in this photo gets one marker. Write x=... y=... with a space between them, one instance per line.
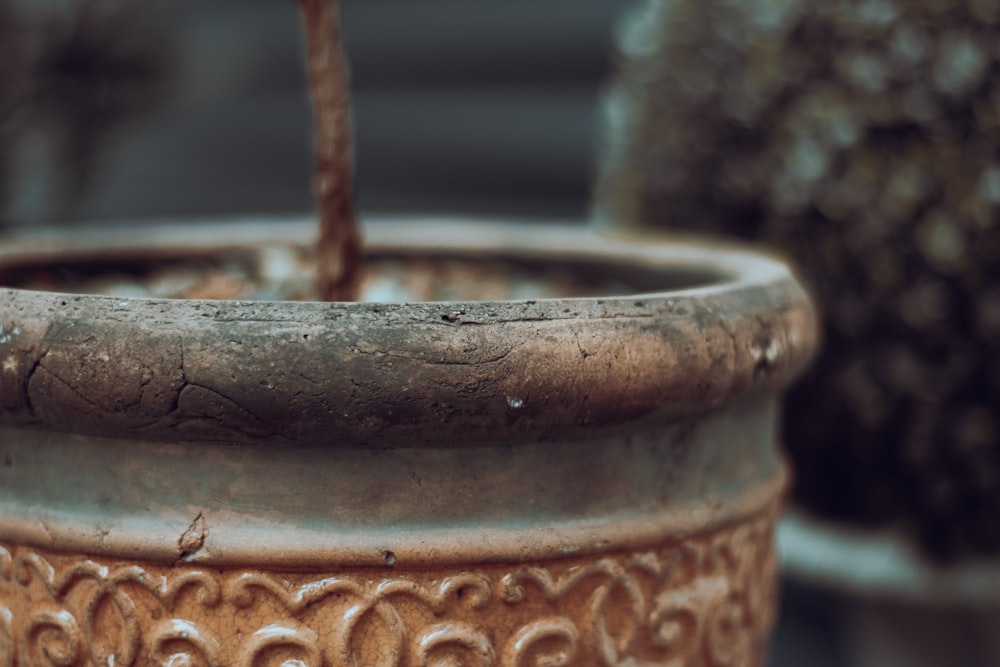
x=705 y=602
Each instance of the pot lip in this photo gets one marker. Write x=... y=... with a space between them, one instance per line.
x=734 y=265
x=880 y=564
x=667 y=355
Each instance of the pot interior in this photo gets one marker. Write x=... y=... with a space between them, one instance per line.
x=271 y=272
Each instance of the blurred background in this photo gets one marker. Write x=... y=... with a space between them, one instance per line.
x=861 y=138
x=111 y=109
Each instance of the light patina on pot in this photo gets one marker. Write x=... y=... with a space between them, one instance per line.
x=570 y=481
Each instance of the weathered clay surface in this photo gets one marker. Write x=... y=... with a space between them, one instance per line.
x=580 y=481
x=405 y=374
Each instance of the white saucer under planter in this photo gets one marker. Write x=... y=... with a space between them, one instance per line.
x=895 y=606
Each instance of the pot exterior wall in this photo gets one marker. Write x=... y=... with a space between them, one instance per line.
x=704 y=601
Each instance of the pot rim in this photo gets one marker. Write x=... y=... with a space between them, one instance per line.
x=667 y=355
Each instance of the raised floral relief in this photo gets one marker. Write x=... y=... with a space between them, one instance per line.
x=707 y=602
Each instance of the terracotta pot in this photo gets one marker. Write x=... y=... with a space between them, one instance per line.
x=580 y=481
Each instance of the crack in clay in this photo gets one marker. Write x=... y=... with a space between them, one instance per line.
x=149 y=375
x=29 y=403
x=48 y=531
x=175 y=403
x=181 y=366
x=219 y=394
x=83 y=397
x=457 y=321
x=193 y=539
x=441 y=362
x=269 y=320
x=187 y=384
x=586 y=355
x=481 y=362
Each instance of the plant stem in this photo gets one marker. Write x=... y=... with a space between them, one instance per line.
x=339 y=245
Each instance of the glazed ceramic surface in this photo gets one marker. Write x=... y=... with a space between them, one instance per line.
x=584 y=481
